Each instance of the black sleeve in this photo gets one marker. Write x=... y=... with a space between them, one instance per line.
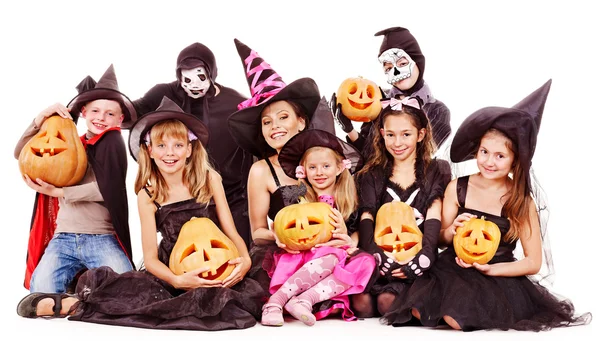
x=439 y=117
x=108 y=158
x=367 y=200
x=438 y=177
x=425 y=258
x=152 y=98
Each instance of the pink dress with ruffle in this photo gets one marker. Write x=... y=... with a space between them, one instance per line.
x=355 y=271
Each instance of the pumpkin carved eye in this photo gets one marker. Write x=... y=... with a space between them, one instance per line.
x=302 y=226
x=477 y=241
x=55 y=154
x=360 y=99
x=396 y=231
x=202 y=244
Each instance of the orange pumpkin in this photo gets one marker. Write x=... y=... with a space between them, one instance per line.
x=396 y=231
x=360 y=99
x=55 y=154
x=477 y=241
x=202 y=244
x=304 y=225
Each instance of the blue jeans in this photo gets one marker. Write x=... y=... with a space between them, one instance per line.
x=69 y=253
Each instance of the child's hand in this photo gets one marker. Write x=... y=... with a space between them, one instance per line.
x=483 y=268
x=242 y=265
x=398 y=273
x=56 y=108
x=337 y=221
x=283 y=246
x=450 y=231
x=339 y=240
x=44 y=187
x=192 y=280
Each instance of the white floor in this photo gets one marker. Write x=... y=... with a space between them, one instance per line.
x=369 y=329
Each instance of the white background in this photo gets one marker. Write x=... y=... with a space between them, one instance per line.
x=478 y=54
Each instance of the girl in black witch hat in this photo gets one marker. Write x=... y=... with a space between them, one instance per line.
x=175 y=183
x=401 y=168
x=404 y=65
x=197 y=92
x=324 y=164
x=499 y=294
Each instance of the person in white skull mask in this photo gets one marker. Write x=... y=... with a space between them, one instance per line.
x=197 y=92
x=400 y=69
x=404 y=65
x=195 y=82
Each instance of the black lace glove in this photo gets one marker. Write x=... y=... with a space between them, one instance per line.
x=366 y=242
x=425 y=258
x=336 y=110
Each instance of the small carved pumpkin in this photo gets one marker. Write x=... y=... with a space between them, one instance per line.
x=396 y=231
x=477 y=241
x=200 y=244
x=360 y=99
x=304 y=225
x=55 y=154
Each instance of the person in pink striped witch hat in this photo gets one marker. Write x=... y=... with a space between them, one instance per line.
x=263 y=125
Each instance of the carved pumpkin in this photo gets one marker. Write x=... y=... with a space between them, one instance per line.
x=477 y=241
x=201 y=243
x=360 y=99
x=304 y=225
x=55 y=154
x=396 y=231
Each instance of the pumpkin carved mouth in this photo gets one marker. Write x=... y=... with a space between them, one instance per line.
x=360 y=106
x=307 y=240
x=473 y=254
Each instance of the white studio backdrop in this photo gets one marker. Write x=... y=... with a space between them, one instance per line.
x=477 y=54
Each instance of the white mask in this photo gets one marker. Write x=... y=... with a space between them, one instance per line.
x=195 y=82
x=402 y=65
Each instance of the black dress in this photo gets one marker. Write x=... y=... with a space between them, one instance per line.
x=139 y=299
x=375 y=190
x=477 y=301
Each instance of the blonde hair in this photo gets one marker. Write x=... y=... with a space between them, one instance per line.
x=518 y=201
x=344 y=191
x=195 y=173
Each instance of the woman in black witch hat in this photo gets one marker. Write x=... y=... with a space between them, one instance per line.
x=498 y=294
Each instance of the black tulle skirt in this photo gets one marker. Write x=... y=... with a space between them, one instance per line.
x=477 y=301
x=139 y=299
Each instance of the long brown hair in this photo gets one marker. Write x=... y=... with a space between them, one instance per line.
x=518 y=198
x=381 y=157
x=195 y=173
x=344 y=192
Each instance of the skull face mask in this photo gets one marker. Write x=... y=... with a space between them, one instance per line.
x=397 y=65
x=195 y=82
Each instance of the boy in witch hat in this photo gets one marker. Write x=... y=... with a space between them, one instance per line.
x=85 y=225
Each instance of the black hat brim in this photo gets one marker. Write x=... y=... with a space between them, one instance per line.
x=245 y=126
x=292 y=152
x=146 y=122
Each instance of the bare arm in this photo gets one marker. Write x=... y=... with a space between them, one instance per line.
x=449 y=212
x=532 y=250
x=259 y=201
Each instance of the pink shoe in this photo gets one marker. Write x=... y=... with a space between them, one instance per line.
x=272 y=315
x=301 y=310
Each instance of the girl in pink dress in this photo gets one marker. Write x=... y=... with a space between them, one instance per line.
x=323 y=163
